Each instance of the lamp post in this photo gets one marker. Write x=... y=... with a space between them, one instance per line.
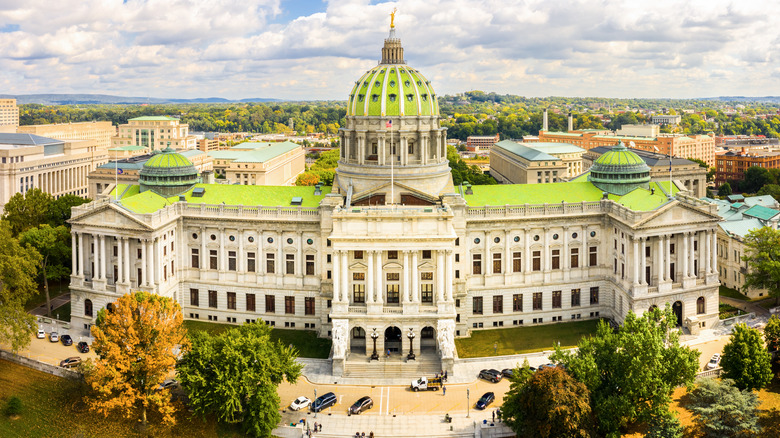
x=468 y=404
x=312 y=402
x=410 y=335
x=374 y=335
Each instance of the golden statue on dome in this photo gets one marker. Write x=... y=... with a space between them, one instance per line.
x=392 y=18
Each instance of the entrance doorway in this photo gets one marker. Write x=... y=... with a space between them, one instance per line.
x=358 y=343
x=677 y=309
x=393 y=339
x=427 y=339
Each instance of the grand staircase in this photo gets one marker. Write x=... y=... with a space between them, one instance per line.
x=394 y=367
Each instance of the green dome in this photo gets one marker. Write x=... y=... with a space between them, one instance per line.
x=392 y=90
x=619 y=171
x=167 y=173
x=167 y=158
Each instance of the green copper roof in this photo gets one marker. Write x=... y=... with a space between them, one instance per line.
x=392 y=90
x=761 y=212
x=128 y=148
x=619 y=171
x=153 y=119
x=619 y=156
x=167 y=160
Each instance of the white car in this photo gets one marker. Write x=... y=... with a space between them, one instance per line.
x=54 y=337
x=714 y=361
x=300 y=403
x=168 y=383
x=41 y=334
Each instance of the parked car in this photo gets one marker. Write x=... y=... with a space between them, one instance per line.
x=547 y=365
x=70 y=362
x=82 y=347
x=491 y=375
x=54 y=337
x=66 y=340
x=486 y=399
x=323 y=402
x=509 y=373
x=300 y=403
x=41 y=334
x=363 y=403
x=714 y=361
x=168 y=383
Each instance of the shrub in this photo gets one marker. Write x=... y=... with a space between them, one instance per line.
x=14 y=406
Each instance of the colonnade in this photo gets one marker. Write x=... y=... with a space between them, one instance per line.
x=707 y=256
x=426 y=146
x=57 y=181
x=150 y=264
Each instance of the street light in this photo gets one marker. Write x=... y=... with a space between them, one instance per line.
x=468 y=403
x=410 y=335
x=312 y=402
x=374 y=335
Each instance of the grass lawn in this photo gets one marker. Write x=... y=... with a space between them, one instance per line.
x=519 y=340
x=767 y=303
x=727 y=311
x=306 y=341
x=62 y=313
x=56 y=288
x=732 y=293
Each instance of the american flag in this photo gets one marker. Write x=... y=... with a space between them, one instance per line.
x=389 y=124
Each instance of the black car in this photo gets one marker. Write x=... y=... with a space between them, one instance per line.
x=509 y=373
x=323 y=402
x=547 y=365
x=491 y=375
x=66 y=340
x=361 y=405
x=82 y=347
x=486 y=399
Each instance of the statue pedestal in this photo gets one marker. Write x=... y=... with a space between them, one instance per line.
x=338 y=366
x=448 y=364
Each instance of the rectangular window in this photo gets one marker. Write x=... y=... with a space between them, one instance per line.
x=289 y=305
x=213 y=259
x=476 y=264
x=358 y=293
x=250 y=302
x=517 y=302
x=426 y=290
x=392 y=255
x=556 y=259
x=671 y=248
x=556 y=299
x=575 y=258
x=231 y=260
x=392 y=293
x=195 y=258
x=537 y=300
x=213 y=299
x=250 y=262
x=358 y=255
x=497 y=263
x=477 y=308
x=194 y=297
x=575 y=297
x=270 y=304
x=498 y=304
x=393 y=276
x=231 y=300
x=517 y=262
x=308 y=305
x=594 y=295
x=359 y=276
x=310 y=264
x=647 y=251
x=269 y=263
x=426 y=276
x=593 y=256
x=426 y=254
x=537 y=260
x=290 y=264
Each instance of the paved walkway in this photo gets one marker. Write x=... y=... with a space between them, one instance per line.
x=56 y=303
x=747 y=306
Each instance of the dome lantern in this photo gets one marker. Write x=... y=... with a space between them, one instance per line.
x=167 y=173
x=619 y=171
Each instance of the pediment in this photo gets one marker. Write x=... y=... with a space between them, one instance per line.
x=426 y=265
x=109 y=215
x=358 y=266
x=392 y=265
x=676 y=215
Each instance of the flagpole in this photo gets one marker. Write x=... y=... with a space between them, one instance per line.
x=116 y=176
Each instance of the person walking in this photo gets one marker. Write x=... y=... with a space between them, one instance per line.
x=494 y=416
x=443 y=390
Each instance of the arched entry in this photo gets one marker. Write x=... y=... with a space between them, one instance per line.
x=87 y=307
x=427 y=339
x=358 y=342
x=677 y=310
x=653 y=307
x=393 y=339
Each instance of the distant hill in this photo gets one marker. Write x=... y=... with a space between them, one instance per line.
x=772 y=99
x=106 y=99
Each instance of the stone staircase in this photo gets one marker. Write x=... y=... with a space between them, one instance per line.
x=395 y=368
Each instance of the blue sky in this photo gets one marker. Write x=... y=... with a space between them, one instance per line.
x=314 y=49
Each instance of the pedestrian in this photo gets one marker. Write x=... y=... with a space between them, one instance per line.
x=315 y=426
x=388 y=353
x=320 y=427
x=494 y=416
x=444 y=390
x=371 y=435
x=363 y=435
x=445 y=375
x=495 y=347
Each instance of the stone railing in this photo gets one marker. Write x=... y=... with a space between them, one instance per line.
x=527 y=210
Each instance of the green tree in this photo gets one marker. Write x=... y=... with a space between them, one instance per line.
x=59 y=210
x=724 y=189
x=24 y=211
x=18 y=269
x=772 y=333
x=614 y=365
x=702 y=163
x=721 y=410
x=762 y=255
x=755 y=178
x=772 y=190
x=665 y=425
x=53 y=244
x=234 y=375
x=550 y=404
x=746 y=360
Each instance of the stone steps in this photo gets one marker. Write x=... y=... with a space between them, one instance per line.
x=410 y=370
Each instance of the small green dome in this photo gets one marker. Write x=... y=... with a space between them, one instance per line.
x=167 y=173
x=619 y=171
x=167 y=158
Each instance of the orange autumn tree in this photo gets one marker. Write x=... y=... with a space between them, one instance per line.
x=137 y=344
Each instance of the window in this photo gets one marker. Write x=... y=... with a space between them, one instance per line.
x=594 y=295
x=392 y=293
x=671 y=248
x=358 y=293
x=289 y=305
x=537 y=300
x=700 y=308
x=310 y=264
x=556 y=301
x=476 y=264
x=359 y=276
x=213 y=299
x=575 y=258
x=250 y=262
x=358 y=255
x=497 y=263
x=231 y=260
x=426 y=275
x=308 y=305
x=195 y=258
x=231 y=300
x=393 y=276
x=537 y=260
x=477 y=308
x=392 y=255
x=556 y=259
x=270 y=304
x=213 y=259
x=289 y=263
x=593 y=256
x=575 y=297
x=426 y=290
x=647 y=251
x=498 y=304
x=517 y=262
x=250 y=302
x=517 y=302
x=87 y=307
x=269 y=263
x=426 y=254
x=194 y=295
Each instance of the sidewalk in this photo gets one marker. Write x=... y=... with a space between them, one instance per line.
x=747 y=306
x=56 y=303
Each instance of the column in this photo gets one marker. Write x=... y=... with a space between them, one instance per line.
x=103 y=257
x=157 y=260
x=643 y=261
x=150 y=261
x=668 y=257
x=120 y=268
x=127 y=260
x=345 y=276
x=73 y=258
x=415 y=279
x=300 y=265
x=204 y=253
x=527 y=252
x=379 y=277
x=565 y=259
x=240 y=255
x=691 y=256
x=685 y=255
x=449 y=276
x=81 y=255
x=714 y=252
x=404 y=152
x=144 y=265
x=222 y=261
x=487 y=257
x=660 y=259
x=507 y=253
x=336 y=279
x=405 y=279
x=370 y=278
x=706 y=255
x=440 y=275
x=635 y=260
x=280 y=265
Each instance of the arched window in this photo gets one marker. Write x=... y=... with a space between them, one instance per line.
x=87 y=307
x=653 y=307
x=427 y=333
x=700 y=306
x=358 y=333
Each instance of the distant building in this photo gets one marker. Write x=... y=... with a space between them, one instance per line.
x=154 y=132
x=207 y=145
x=666 y=119
x=731 y=165
x=9 y=115
x=646 y=130
x=260 y=163
x=99 y=132
x=729 y=141
x=481 y=143
x=517 y=163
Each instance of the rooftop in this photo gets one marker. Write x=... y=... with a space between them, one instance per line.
x=153 y=119
x=555 y=148
x=20 y=140
x=254 y=152
x=651 y=158
x=524 y=151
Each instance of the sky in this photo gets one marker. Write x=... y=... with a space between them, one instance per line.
x=313 y=49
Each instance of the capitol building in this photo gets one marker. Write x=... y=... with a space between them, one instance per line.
x=393 y=248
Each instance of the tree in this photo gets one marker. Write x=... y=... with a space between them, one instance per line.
x=772 y=333
x=234 y=375
x=724 y=189
x=550 y=404
x=615 y=366
x=59 y=210
x=24 y=211
x=702 y=163
x=665 y=425
x=762 y=254
x=53 y=244
x=755 y=178
x=772 y=190
x=18 y=269
x=746 y=360
x=137 y=344
x=721 y=410
x=307 y=179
